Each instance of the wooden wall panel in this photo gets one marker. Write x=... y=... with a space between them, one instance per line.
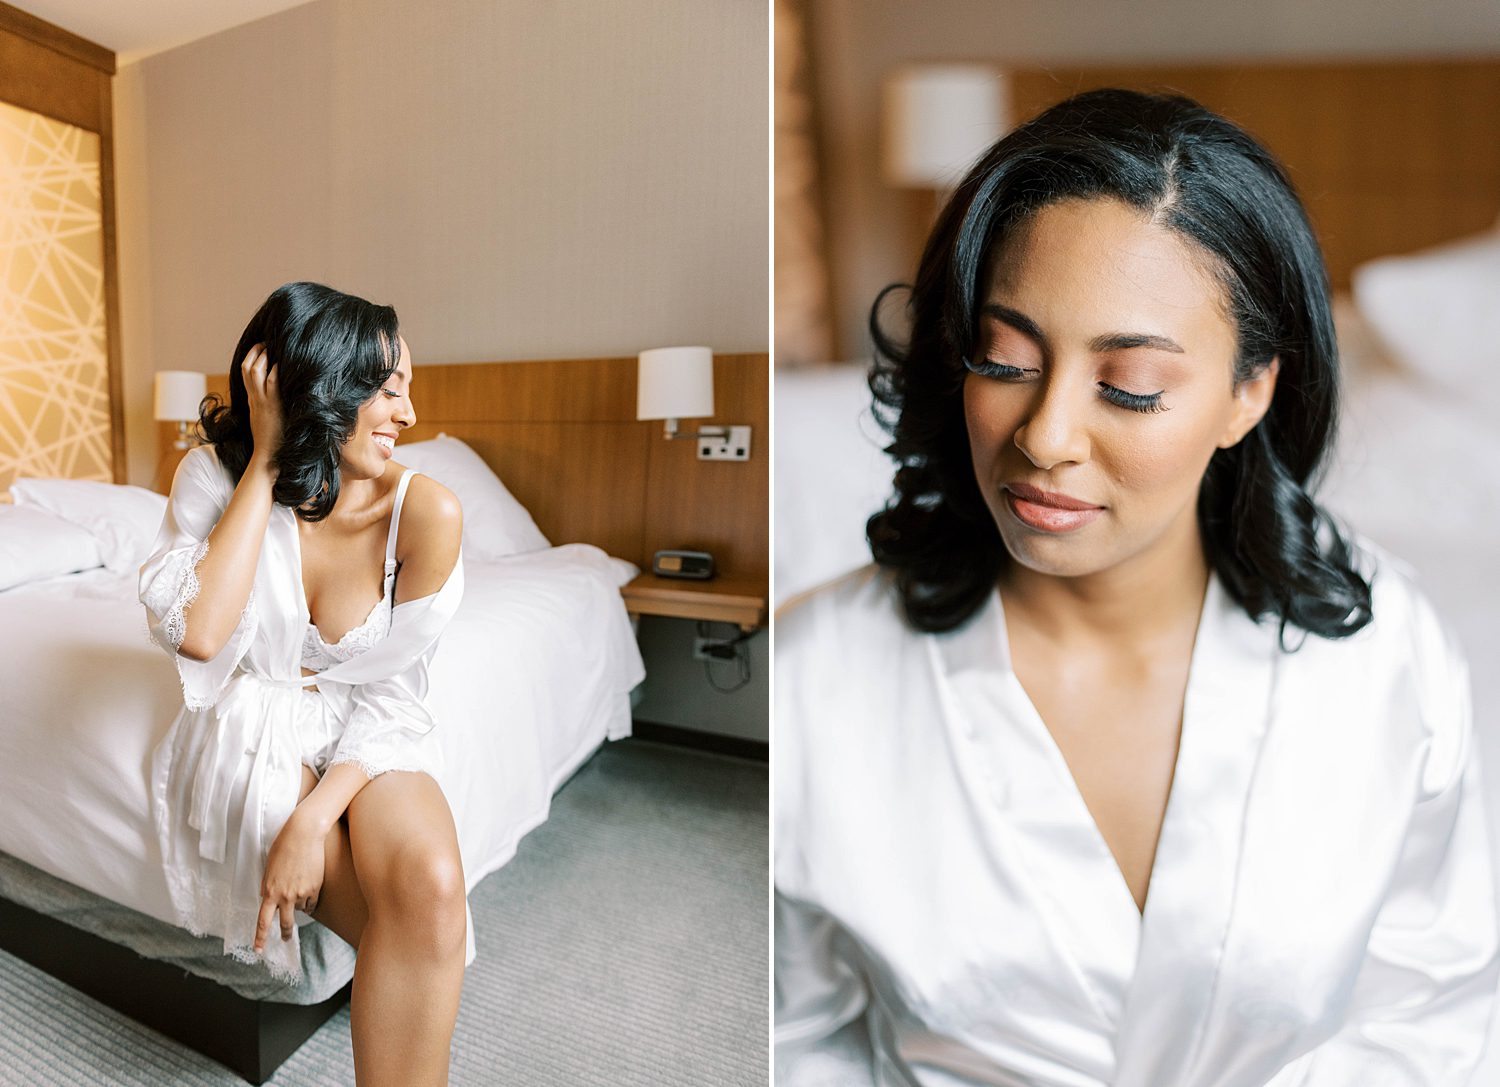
x=580 y=481
x=559 y=390
x=44 y=81
x=564 y=438
x=717 y=506
x=23 y=24
x=114 y=359
x=1388 y=156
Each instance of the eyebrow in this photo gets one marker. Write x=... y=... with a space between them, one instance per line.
x=1108 y=341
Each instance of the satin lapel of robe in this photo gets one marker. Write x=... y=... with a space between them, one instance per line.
x=1040 y=817
x=1191 y=898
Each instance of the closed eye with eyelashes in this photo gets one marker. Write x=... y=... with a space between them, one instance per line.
x=1146 y=403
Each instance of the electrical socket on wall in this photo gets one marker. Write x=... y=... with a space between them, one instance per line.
x=736 y=448
x=713 y=649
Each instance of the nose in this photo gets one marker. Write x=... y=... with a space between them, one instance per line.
x=1053 y=432
x=405 y=413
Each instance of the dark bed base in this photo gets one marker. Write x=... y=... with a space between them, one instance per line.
x=251 y=1037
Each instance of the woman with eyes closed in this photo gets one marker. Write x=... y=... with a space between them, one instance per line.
x=301 y=581
x=1124 y=764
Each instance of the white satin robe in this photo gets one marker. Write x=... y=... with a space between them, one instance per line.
x=1321 y=912
x=227 y=774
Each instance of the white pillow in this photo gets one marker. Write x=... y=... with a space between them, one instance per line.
x=124 y=519
x=35 y=544
x=831 y=474
x=1439 y=311
x=495 y=524
x=1363 y=354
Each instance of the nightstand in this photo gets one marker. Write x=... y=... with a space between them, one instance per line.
x=737 y=600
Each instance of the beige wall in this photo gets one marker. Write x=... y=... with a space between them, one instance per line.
x=856 y=42
x=521 y=180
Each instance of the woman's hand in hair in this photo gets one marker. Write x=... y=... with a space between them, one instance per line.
x=264 y=396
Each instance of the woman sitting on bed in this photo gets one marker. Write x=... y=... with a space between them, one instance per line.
x=1124 y=764
x=301 y=580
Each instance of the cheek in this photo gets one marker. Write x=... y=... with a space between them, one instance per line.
x=1163 y=455
x=363 y=427
x=992 y=418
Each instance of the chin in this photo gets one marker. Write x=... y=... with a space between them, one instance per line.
x=1054 y=562
x=1058 y=556
x=369 y=469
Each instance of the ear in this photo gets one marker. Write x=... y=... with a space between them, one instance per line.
x=1251 y=402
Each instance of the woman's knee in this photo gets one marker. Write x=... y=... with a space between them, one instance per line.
x=406 y=851
x=424 y=893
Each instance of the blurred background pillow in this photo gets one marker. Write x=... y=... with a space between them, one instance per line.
x=124 y=519
x=495 y=524
x=831 y=474
x=36 y=544
x=1438 y=312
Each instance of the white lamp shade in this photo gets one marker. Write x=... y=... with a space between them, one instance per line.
x=938 y=119
x=675 y=383
x=178 y=393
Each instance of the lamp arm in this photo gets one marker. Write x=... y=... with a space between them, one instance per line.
x=671 y=433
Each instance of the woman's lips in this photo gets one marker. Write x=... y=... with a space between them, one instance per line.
x=1047 y=512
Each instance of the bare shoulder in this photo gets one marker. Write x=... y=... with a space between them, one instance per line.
x=432 y=505
x=428 y=540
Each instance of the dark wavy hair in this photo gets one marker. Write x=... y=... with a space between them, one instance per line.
x=331 y=352
x=1208 y=180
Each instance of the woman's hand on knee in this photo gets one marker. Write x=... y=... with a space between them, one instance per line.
x=292 y=881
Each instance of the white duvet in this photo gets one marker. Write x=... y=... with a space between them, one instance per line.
x=532 y=674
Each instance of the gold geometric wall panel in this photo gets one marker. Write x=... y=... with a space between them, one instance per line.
x=54 y=377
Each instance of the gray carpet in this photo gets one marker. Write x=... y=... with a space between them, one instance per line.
x=626 y=944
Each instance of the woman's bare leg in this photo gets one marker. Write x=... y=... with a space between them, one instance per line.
x=409 y=973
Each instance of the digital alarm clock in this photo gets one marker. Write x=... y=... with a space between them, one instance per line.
x=697 y=565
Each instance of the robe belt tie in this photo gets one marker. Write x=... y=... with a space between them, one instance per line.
x=247 y=716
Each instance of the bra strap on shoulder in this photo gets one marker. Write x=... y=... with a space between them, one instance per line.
x=390 y=536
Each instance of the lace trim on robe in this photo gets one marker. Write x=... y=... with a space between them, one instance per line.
x=187 y=592
x=209 y=911
x=378 y=746
x=174 y=626
x=184 y=591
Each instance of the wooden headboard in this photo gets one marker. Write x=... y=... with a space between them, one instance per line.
x=564 y=438
x=1388 y=156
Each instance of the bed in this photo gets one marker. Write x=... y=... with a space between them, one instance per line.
x=532 y=675
x=84 y=695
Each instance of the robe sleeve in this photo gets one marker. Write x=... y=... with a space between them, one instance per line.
x=1423 y=997
x=820 y=1033
x=169 y=580
x=820 y=1001
x=388 y=719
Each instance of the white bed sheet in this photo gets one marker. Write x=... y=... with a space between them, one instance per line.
x=532 y=675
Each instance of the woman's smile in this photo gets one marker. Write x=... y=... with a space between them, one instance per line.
x=383 y=417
